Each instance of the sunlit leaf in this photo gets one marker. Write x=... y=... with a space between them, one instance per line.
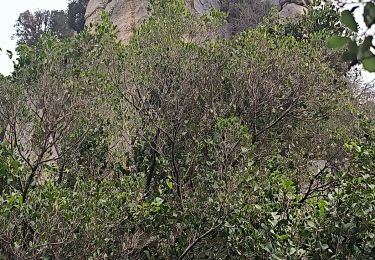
x=369 y=64
x=169 y=183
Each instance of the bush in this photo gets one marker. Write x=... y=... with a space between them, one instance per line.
x=173 y=148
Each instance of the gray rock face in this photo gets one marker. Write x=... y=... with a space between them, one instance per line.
x=94 y=6
x=292 y=10
x=127 y=14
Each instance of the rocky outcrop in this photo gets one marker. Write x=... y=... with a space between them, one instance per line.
x=127 y=14
x=292 y=10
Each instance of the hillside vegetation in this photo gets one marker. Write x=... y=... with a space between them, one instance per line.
x=175 y=146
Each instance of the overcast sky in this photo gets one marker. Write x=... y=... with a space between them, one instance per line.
x=9 y=13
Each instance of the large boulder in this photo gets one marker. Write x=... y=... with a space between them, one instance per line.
x=292 y=10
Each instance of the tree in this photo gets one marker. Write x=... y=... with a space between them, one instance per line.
x=60 y=24
x=31 y=26
x=76 y=14
x=165 y=148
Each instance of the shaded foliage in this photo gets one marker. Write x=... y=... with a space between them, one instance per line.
x=245 y=14
x=76 y=14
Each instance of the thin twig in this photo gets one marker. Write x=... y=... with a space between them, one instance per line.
x=190 y=247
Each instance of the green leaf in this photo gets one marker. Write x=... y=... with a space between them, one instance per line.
x=364 y=49
x=282 y=237
x=367 y=42
x=322 y=206
x=20 y=200
x=362 y=55
x=169 y=183
x=336 y=42
x=369 y=64
x=348 y=20
x=351 y=53
x=288 y=185
x=369 y=14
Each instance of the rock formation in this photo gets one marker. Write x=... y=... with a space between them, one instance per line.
x=293 y=8
x=127 y=14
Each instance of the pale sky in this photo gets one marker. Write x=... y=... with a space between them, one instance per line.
x=9 y=13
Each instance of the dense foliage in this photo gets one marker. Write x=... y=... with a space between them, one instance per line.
x=177 y=146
